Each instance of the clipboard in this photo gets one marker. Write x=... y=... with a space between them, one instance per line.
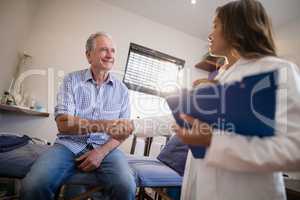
x=245 y=107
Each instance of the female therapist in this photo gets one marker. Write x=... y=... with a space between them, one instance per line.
x=236 y=167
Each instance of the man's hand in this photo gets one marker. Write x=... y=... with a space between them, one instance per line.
x=199 y=134
x=91 y=160
x=120 y=129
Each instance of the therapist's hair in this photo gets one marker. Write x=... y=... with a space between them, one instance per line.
x=247 y=28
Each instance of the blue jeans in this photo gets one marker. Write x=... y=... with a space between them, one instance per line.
x=55 y=166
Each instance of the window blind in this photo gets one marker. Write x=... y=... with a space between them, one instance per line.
x=151 y=71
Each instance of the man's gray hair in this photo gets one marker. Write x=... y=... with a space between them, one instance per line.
x=90 y=43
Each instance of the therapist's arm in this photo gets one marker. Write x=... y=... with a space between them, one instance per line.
x=199 y=134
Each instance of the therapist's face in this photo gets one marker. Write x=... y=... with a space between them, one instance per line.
x=217 y=43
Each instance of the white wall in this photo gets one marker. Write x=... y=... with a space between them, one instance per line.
x=57 y=38
x=15 y=19
x=288 y=41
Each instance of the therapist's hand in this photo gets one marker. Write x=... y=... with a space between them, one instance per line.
x=199 y=134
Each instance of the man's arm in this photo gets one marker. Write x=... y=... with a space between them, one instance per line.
x=71 y=125
x=68 y=124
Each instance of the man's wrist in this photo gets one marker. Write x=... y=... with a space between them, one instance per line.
x=98 y=125
x=108 y=147
x=102 y=150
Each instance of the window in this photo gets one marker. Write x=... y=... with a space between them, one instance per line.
x=151 y=71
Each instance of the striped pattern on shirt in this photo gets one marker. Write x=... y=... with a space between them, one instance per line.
x=79 y=95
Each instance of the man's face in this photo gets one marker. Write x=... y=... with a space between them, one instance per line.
x=102 y=56
x=217 y=44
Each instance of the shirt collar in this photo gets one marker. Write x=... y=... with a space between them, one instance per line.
x=240 y=62
x=244 y=61
x=88 y=77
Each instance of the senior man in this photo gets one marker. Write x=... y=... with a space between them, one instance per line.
x=91 y=106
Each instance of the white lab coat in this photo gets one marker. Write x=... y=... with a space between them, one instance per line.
x=236 y=167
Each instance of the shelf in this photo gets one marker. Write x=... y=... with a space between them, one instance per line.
x=22 y=110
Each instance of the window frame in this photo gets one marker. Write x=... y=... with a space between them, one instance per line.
x=154 y=54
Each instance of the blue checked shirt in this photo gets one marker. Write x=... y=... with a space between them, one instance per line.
x=80 y=96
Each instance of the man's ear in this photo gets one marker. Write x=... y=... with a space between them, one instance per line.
x=87 y=54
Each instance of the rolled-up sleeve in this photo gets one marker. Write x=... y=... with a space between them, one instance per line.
x=65 y=98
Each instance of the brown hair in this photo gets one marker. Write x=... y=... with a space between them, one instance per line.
x=247 y=28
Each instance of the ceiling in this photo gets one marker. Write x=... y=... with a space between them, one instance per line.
x=196 y=19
